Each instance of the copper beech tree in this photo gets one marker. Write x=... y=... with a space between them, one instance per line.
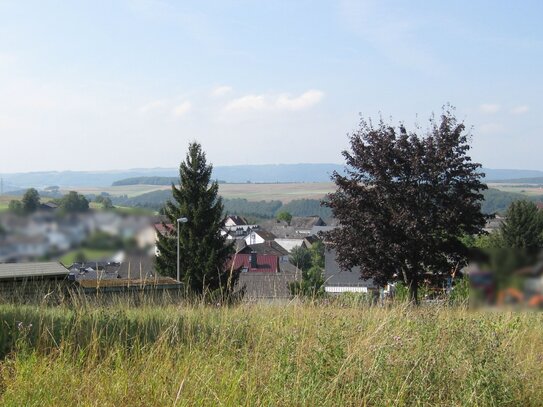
x=404 y=201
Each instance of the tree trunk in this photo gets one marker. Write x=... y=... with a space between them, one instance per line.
x=414 y=291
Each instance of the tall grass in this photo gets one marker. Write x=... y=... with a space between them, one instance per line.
x=291 y=354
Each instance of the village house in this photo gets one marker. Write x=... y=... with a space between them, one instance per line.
x=337 y=281
x=259 y=236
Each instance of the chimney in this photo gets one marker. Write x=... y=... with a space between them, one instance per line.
x=253 y=261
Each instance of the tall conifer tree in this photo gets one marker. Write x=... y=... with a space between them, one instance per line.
x=204 y=252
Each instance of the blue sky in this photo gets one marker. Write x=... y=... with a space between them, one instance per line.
x=96 y=85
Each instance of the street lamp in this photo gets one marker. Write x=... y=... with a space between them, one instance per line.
x=179 y=221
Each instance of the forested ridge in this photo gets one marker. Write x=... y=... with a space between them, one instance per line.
x=495 y=201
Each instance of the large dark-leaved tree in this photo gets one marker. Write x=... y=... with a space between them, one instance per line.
x=405 y=200
x=204 y=253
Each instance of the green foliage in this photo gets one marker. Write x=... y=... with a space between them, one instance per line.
x=311 y=262
x=284 y=216
x=405 y=200
x=496 y=201
x=461 y=292
x=307 y=207
x=16 y=207
x=73 y=202
x=105 y=201
x=492 y=240
x=204 y=251
x=311 y=285
x=103 y=241
x=80 y=257
x=317 y=254
x=259 y=209
x=301 y=257
x=30 y=201
x=523 y=227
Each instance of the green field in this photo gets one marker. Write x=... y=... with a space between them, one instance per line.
x=251 y=192
x=268 y=355
x=90 y=255
x=529 y=190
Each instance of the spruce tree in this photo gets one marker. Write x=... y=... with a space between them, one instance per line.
x=204 y=253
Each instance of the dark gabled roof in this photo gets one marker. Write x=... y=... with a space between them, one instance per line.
x=288 y=267
x=32 y=270
x=48 y=205
x=266 y=286
x=306 y=222
x=269 y=247
x=334 y=276
x=238 y=220
x=315 y=230
x=264 y=234
x=137 y=267
x=265 y=263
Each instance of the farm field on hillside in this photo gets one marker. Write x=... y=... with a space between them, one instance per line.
x=525 y=189
x=251 y=192
x=287 y=355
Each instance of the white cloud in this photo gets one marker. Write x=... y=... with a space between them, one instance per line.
x=152 y=106
x=305 y=100
x=182 y=109
x=275 y=102
x=221 y=91
x=489 y=108
x=249 y=102
x=518 y=110
x=492 y=128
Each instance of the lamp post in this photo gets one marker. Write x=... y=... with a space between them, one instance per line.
x=179 y=221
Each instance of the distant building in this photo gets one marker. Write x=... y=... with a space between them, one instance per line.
x=255 y=263
x=337 y=281
x=19 y=272
x=259 y=236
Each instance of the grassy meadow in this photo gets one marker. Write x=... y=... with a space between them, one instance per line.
x=291 y=354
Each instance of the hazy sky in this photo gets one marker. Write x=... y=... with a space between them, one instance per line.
x=88 y=85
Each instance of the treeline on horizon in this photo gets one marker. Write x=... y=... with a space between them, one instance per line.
x=150 y=181
x=239 y=206
x=495 y=201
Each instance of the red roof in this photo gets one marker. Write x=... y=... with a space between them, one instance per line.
x=265 y=263
x=164 y=230
x=539 y=205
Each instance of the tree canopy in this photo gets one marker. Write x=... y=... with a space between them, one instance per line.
x=204 y=252
x=73 y=202
x=523 y=227
x=405 y=200
x=30 y=201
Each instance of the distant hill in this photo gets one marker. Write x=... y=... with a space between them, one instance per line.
x=266 y=173
x=528 y=181
x=492 y=175
x=146 y=181
x=231 y=174
x=81 y=178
